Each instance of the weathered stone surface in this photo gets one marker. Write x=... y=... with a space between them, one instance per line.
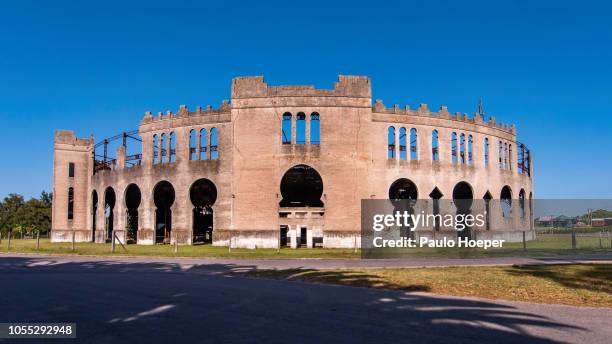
x=351 y=159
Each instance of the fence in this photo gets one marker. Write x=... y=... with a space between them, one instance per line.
x=571 y=239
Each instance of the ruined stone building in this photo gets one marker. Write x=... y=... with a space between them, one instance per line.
x=283 y=165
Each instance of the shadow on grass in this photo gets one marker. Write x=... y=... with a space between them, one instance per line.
x=343 y=277
x=592 y=277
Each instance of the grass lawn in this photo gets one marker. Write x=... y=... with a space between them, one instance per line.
x=577 y=284
x=46 y=247
x=544 y=245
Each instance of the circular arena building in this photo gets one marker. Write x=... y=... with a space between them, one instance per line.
x=286 y=166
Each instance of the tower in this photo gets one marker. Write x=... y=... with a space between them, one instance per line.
x=72 y=170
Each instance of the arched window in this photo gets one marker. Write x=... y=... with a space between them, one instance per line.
x=486 y=152
x=435 y=144
x=462 y=149
x=505 y=156
x=522 y=202
x=286 y=128
x=470 y=150
x=391 y=143
x=506 y=201
x=510 y=157
x=70 y=203
x=487 y=202
x=403 y=155
x=300 y=129
x=435 y=196
x=413 y=144
x=454 y=147
x=214 y=143
x=192 y=144
x=203 y=144
x=162 y=148
x=155 y=150
x=172 y=153
x=315 y=128
x=500 y=154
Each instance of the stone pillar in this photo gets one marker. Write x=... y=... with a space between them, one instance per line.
x=120 y=213
x=293 y=234
x=120 y=158
x=309 y=232
x=424 y=145
x=293 y=128
x=198 y=144
x=100 y=220
x=147 y=149
x=307 y=138
x=397 y=145
x=444 y=146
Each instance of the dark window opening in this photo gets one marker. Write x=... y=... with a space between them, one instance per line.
x=301 y=186
x=463 y=199
x=522 y=202
x=487 y=202
x=435 y=196
x=203 y=195
x=109 y=216
x=284 y=240
x=132 y=202
x=71 y=170
x=403 y=194
x=303 y=236
x=163 y=197
x=94 y=211
x=70 y=203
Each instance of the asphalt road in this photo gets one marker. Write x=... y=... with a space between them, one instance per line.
x=138 y=301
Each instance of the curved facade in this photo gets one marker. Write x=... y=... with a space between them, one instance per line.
x=284 y=165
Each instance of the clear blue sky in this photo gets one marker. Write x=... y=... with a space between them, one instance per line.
x=95 y=67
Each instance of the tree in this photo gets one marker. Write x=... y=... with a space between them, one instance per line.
x=46 y=198
x=8 y=210
x=25 y=217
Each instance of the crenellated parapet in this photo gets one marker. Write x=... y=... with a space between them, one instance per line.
x=184 y=117
x=256 y=87
x=68 y=137
x=442 y=113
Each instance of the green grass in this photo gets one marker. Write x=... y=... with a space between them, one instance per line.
x=576 y=284
x=46 y=247
x=544 y=245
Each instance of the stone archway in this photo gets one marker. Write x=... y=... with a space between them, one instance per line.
x=203 y=195
x=301 y=186
x=163 y=197
x=133 y=198
x=403 y=194
x=463 y=197
x=109 y=215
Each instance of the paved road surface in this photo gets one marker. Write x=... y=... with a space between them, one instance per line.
x=335 y=263
x=135 y=301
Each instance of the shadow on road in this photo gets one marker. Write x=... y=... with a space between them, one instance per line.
x=126 y=302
